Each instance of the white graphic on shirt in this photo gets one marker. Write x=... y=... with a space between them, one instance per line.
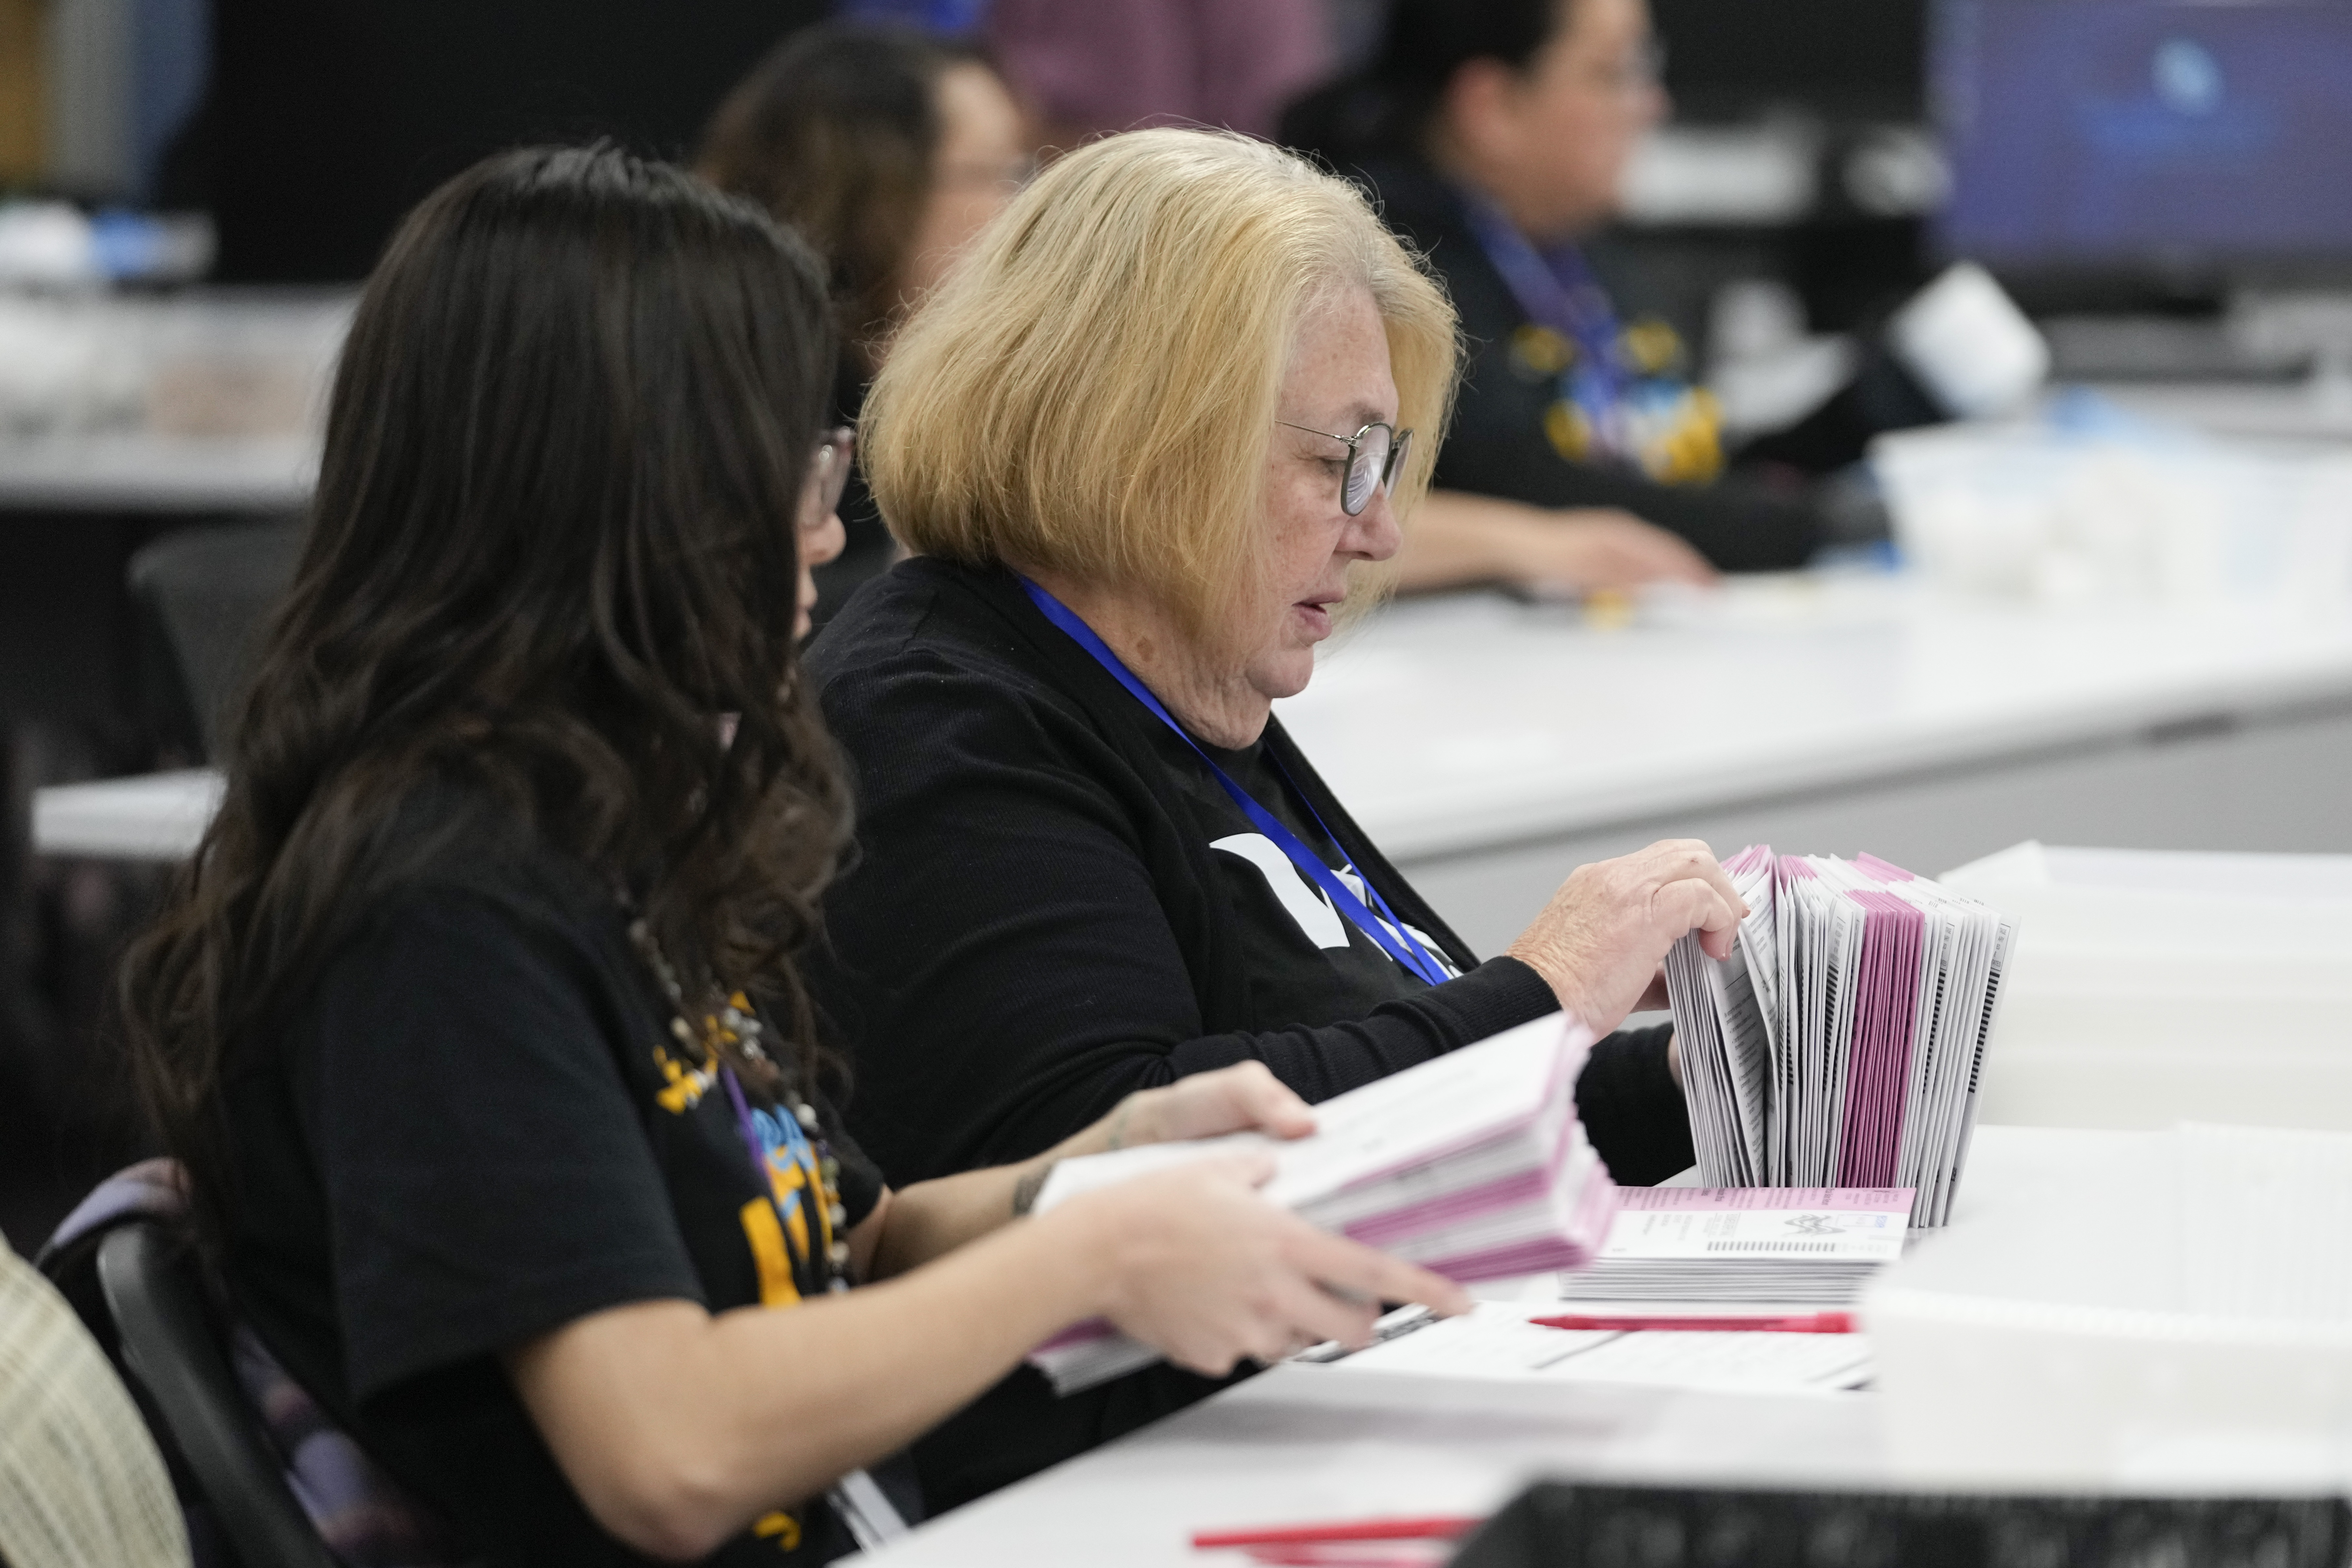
x=1354 y=880
x=1306 y=902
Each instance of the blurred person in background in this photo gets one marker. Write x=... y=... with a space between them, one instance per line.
x=887 y=149
x=1091 y=67
x=1495 y=134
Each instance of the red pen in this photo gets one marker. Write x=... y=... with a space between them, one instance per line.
x=1802 y=1323
x=1436 y=1527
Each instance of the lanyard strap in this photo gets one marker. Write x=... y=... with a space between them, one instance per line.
x=1577 y=308
x=1384 y=928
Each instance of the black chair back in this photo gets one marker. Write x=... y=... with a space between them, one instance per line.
x=203 y=596
x=172 y=1348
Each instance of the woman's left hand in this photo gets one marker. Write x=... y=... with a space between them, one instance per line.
x=1244 y=1099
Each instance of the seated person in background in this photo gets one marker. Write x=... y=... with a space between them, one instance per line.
x=476 y=1016
x=887 y=150
x=1495 y=132
x=1146 y=446
x=1097 y=67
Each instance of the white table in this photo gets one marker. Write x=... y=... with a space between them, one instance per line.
x=150 y=816
x=134 y=473
x=1491 y=747
x=1305 y=1443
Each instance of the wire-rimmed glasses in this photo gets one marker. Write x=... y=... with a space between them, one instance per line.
x=829 y=474
x=1376 y=456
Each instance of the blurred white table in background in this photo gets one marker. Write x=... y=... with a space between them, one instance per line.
x=148 y=816
x=209 y=400
x=2150 y=986
x=137 y=472
x=1490 y=747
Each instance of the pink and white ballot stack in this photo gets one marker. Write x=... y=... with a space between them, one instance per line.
x=1472 y=1164
x=1842 y=1043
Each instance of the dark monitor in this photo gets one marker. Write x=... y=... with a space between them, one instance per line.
x=2185 y=138
x=1843 y=61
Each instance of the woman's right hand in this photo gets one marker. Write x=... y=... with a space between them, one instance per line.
x=1196 y=1265
x=1599 y=941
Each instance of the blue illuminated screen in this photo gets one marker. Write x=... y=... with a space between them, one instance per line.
x=2126 y=132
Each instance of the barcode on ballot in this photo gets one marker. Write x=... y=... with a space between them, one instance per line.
x=1771 y=1246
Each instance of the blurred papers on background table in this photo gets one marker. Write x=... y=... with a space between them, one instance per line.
x=1472 y=1164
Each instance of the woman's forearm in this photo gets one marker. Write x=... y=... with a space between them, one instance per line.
x=1457 y=539
x=933 y=1218
x=678 y=1428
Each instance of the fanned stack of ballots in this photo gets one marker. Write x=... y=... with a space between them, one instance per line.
x=1842 y=1043
x=1472 y=1165
x=1814 y=1247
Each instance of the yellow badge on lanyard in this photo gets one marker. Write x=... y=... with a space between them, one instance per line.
x=1538 y=354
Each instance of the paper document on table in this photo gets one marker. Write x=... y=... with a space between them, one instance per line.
x=1810 y=1246
x=1842 y=1041
x=1498 y=1340
x=1472 y=1165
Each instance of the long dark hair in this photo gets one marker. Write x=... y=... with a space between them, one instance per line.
x=553 y=539
x=1384 y=110
x=835 y=132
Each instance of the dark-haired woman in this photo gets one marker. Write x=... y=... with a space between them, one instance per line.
x=1580 y=456
x=887 y=150
x=476 y=1016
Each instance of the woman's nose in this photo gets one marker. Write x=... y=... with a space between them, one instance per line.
x=1374 y=533
x=825 y=540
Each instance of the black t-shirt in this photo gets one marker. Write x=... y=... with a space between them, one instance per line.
x=1301 y=956
x=1055 y=904
x=471 y=1129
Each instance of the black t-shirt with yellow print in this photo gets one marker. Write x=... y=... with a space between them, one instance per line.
x=472 y=1127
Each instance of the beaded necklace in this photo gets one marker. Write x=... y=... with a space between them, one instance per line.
x=734 y=1021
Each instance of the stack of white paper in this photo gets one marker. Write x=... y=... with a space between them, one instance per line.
x=1842 y=1042
x=1472 y=1165
x=1788 y=1246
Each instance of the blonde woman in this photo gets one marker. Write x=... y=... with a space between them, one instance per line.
x=1154 y=437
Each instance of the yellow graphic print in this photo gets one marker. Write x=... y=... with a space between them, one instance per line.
x=1670 y=430
x=1539 y=353
x=775 y=1224
x=768 y=1255
x=1651 y=347
x=1570 y=432
x=685 y=1086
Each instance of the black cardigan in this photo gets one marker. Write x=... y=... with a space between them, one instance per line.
x=1030 y=932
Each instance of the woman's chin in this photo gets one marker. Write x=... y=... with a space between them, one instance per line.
x=1284 y=674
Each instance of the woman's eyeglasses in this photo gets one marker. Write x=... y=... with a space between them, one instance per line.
x=829 y=474
x=1376 y=456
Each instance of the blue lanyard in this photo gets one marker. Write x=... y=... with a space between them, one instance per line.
x=1577 y=309
x=1385 y=929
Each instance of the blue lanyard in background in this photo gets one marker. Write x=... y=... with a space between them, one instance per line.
x=1390 y=933
x=1577 y=309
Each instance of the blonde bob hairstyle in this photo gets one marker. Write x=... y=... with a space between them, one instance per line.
x=1095 y=389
